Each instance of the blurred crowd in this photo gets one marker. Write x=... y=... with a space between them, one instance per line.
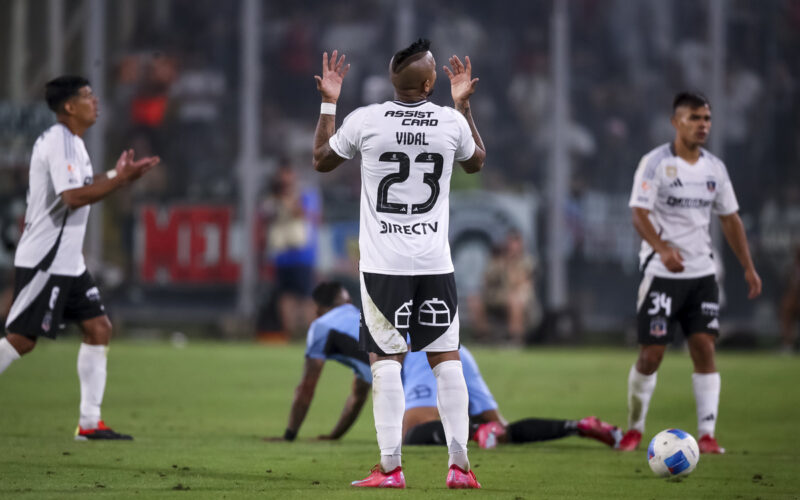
x=173 y=90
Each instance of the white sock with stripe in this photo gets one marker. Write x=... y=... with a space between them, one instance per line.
x=7 y=354
x=706 y=394
x=92 y=361
x=388 y=406
x=453 y=402
x=640 y=390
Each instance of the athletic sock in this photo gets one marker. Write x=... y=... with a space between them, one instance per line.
x=92 y=374
x=640 y=390
x=428 y=433
x=388 y=406
x=7 y=354
x=453 y=402
x=706 y=394
x=537 y=429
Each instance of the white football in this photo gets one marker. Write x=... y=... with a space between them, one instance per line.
x=673 y=452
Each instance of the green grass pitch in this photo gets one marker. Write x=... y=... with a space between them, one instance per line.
x=198 y=415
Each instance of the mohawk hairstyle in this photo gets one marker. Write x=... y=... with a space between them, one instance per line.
x=691 y=99
x=408 y=55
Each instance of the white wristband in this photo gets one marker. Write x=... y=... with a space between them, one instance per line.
x=111 y=173
x=327 y=108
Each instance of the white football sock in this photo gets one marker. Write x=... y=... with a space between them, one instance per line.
x=92 y=374
x=7 y=354
x=706 y=394
x=453 y=402
x=640 y=390
x=388 y=406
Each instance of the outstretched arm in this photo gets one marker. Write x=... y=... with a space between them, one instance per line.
x=303 y=396
x=462 y=86
x=352 y=408
x=126 y=170
x=733 y=229
x=329 y=86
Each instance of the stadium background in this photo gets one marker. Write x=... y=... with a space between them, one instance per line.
x=572 y=94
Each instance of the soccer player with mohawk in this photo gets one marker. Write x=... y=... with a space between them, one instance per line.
x=408 y=147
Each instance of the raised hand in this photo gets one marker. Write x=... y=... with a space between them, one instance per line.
x=462 y=85
x=333 y=72
x=130 y=169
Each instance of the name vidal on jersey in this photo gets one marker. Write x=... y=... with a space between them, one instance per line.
x=418 y=228
x=411 y=138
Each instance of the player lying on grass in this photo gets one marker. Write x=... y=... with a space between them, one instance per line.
x=333 y=335
x=421 y=423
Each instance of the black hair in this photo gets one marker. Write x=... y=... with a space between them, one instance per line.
x=326 y=293
x=405 y=57
x=692 y=99
x=58 y=90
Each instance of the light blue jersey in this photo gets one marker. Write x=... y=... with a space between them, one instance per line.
x=334 y=335
x=419 y=383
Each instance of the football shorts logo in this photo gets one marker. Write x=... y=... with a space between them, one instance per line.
x=47 y=321
x=93 y=294
x=434 y=312
x=658 y=326
x=402 y=316
x=709 y=308
x=714 y=324
x=53 y=297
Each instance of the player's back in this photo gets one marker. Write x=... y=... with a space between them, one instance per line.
x=407 y=154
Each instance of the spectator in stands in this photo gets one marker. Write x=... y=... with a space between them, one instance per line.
x=509 y=291
x=293 y=214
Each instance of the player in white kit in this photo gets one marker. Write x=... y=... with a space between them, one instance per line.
x=408 y=147
x=676 y=189
x=51 y=283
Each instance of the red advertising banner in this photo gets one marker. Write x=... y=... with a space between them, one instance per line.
x=186 y=244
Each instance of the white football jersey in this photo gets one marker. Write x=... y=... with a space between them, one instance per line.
x=407 y=153
x=681 y=198
x=59 y=162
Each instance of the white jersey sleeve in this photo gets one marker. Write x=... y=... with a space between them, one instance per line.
x=725 y=202
x=346 y=142
x=62 y=159
x=646 y=182
x=466 y=145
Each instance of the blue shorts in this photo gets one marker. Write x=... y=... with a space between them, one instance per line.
x=419 y=383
